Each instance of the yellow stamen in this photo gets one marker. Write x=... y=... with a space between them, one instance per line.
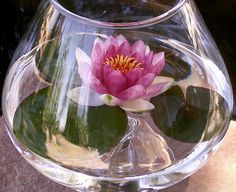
x=123 y=63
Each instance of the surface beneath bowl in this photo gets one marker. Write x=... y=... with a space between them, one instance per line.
x=217 y=175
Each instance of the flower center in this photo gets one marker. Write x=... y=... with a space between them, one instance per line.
x=123 y=63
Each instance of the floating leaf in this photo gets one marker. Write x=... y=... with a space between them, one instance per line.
x=202 y=115
x=167 y=106
x=27 y=122
x=100 y=127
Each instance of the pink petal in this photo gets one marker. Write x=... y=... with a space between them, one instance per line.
x=111 y=41
x=140 y=48
x=97 y=72
x=154 y=90
x=133 y=76
x=124 y=49
x=156 y=69
x=137 y=57
x=158 y=62
x=98 y=86
x=110 y=100
x=147 y=64
x=106 y=70
x=97 y=55
x=146 y=80
x=149 y=59
x=135 y=92
x=116 y=82
x=158 y=57
x=97 y=60
x=121 y=39
x=159 y=85
x=111 y=52
x=99 y=41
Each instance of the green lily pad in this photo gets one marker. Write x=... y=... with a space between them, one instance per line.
x=27 y=123
x=167 y=106
x=202 y=115
x=100 y=127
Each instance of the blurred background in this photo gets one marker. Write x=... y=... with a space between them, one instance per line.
x=219 y=16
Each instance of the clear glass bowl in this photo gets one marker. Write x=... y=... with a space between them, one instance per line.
x=117 y=95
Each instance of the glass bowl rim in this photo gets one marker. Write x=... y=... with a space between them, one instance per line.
x=136 y=24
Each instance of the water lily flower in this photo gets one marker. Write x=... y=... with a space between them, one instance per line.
x=120 y=73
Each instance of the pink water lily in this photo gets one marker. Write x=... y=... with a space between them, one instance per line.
x=121 y=73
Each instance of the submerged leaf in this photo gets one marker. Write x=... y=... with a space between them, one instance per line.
x=202 y=115
x=27 y=123
x=99 y=128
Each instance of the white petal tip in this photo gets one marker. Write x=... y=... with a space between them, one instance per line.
x=147 y=50
x=81 y=56
x=137 y=106
x=84 y=96
x=110 y=100
x=163 y=79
